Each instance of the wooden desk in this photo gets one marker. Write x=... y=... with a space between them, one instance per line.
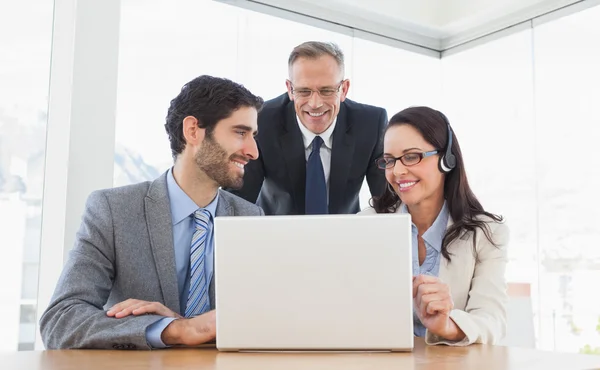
x=423 y=357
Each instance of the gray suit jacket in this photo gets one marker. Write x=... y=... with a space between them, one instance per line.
x=123 y=249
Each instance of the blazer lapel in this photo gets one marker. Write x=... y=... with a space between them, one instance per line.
x=292 y=148
x=160 y=229
x=341 y=160
x=461 y=251
x=443 y=273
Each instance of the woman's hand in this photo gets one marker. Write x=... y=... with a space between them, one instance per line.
x=433 y=304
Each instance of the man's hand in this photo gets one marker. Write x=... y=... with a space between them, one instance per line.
x=137 y=307
x=191 y=332
x=433 y=304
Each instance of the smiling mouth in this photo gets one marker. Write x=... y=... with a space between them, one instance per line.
x=405 y=186
x=238 y=164
x=317 y=114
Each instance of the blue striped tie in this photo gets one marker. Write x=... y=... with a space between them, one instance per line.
x=197 y=302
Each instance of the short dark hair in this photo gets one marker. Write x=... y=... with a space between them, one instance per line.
x=208 y=99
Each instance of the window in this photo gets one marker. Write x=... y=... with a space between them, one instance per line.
x=155 y=60
x=394 y=79
x=524 y=110
x=488 y=98
x=25 y=38
x=567 y=78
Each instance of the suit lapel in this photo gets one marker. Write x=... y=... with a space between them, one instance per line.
x=292 y=148
x=341 y=160
x=223 y=206
x=160 y=229
x=224 y=209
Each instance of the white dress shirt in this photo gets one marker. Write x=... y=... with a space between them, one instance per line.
x=308 y=137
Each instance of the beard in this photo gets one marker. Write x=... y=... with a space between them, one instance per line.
x=213 y=160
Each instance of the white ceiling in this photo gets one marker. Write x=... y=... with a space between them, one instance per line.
x=433 y=24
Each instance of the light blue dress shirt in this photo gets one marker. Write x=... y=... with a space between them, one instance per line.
x=433 y=238
x=182 y=217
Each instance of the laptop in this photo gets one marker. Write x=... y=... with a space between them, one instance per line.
x=312 y=283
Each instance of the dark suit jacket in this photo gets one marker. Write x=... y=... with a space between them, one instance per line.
x=276 y=180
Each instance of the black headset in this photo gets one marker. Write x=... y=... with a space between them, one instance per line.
x=448 y=160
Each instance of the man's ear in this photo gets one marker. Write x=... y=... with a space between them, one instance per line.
x=288 y=84
x=193 y=134
x=345 y=88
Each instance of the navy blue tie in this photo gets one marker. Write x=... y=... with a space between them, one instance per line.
x=316 y=189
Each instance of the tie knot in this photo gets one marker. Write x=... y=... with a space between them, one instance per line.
x=316 y=144
x=201 y=218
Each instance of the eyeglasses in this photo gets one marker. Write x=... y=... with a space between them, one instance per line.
x=324 y=92
x=408 y=159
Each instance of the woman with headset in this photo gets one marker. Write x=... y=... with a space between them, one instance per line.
x=459 y=249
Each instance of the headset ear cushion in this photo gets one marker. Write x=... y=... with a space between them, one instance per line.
x=447 y=163
x=447 y=160
x=450 y=160
x=442 y=165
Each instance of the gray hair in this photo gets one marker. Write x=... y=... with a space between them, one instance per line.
x=314 y=50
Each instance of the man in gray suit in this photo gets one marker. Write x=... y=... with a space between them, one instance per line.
x=140 y=274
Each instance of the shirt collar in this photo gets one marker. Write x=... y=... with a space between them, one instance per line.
x=182 y=206
x=308 y=136
x=436 y=232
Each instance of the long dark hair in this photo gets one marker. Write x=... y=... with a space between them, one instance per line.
x=463 y=206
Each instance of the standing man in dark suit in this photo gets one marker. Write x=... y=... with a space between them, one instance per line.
x=316 y=146
x=141 y=272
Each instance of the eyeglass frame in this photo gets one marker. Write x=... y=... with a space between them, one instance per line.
x=422 y=155
x=336 y=90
